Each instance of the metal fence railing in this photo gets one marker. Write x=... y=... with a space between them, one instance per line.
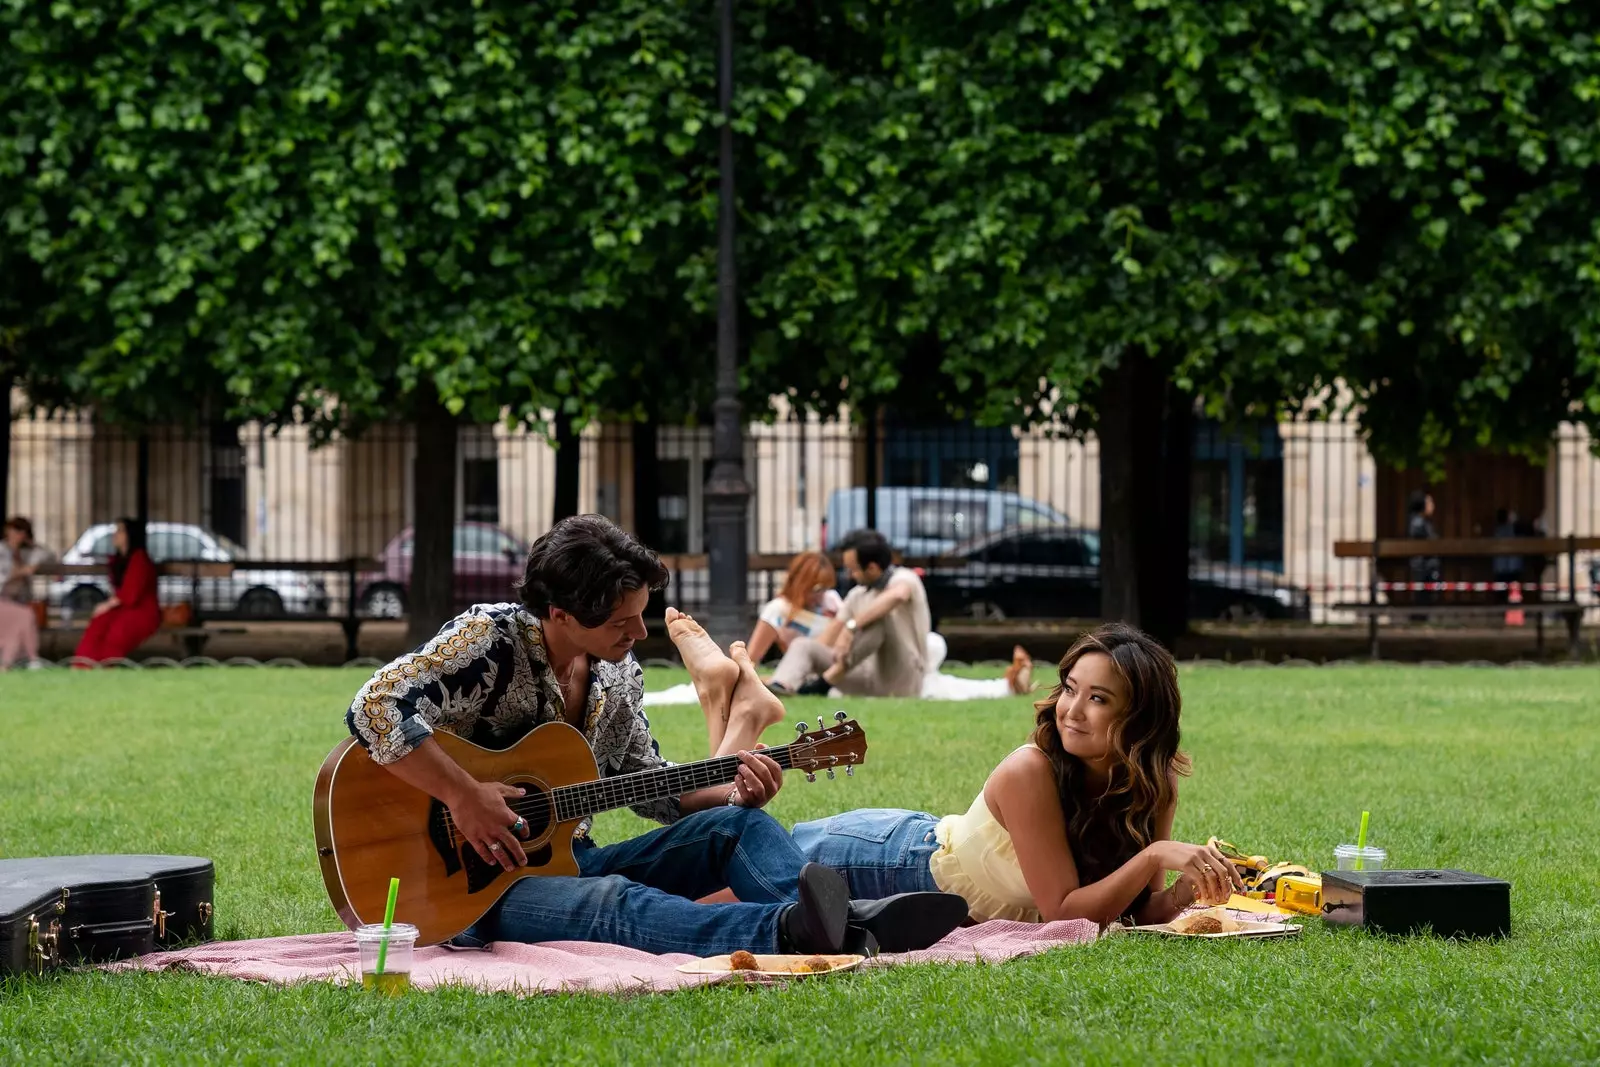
x=307 y=528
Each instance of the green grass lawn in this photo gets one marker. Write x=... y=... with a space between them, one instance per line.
x=1493 y=771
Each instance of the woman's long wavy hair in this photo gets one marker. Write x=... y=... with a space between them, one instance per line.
x=809 y=572
x=1106 y=828
x=136 y=543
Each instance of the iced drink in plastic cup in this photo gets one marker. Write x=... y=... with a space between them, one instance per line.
x=1370 y=858
x=396 y=976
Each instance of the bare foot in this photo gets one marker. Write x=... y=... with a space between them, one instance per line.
x=754 y=708
x=714 y=675
x=1020 y=674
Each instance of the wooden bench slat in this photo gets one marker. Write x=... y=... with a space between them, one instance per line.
x=1464 y=547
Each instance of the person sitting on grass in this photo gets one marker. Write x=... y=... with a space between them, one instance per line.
x=878 y=643
x=1076 y=824
x=565 y=654
x=802 y=607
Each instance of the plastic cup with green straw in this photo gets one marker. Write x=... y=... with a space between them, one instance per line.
x=1361 y=861
x=394 y=893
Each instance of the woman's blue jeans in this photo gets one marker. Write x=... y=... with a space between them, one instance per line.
x=880 y=851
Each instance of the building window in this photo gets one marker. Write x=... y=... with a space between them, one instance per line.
x=955 y=456
x=1237 y=496
x=480 y=490
x=674 y=504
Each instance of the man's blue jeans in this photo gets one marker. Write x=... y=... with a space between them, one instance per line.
x=640 y=893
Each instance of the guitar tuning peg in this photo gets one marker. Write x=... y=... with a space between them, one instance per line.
x=811 y=776
x=800 y=727
x=840 y=716
x=831 y=775
x=820 y=724
x=850 y=771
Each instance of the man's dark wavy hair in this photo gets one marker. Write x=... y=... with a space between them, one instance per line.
x=583 y=566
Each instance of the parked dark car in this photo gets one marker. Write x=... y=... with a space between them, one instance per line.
x=488 y=564
x=1054 y=572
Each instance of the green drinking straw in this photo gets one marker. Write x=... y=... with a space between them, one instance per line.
x=394 y=892
x=1361 y=855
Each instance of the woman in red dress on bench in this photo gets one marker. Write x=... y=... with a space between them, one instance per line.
x=124 y=622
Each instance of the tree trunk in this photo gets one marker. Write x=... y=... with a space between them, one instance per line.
x=5 y=442
x=647 y=501
x=1144 y=430
x=568 y=468
x=433 y=482
x=1167 y=612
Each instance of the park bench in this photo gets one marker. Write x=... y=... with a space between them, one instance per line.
x=1565 y=607
x=196 y=631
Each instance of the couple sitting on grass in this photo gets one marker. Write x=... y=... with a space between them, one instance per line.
x=1074 y=824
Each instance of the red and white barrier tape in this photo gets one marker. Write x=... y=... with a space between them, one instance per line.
x=1468 y=587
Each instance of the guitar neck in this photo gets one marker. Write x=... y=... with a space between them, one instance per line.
x=625 y=790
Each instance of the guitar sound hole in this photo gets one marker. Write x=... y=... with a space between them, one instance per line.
x=460 y=855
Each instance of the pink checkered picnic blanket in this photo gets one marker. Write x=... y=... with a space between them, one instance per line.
x=561 y=966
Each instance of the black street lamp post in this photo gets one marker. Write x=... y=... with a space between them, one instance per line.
x=727 y=493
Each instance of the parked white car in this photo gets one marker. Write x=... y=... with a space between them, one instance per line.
x=250 y=593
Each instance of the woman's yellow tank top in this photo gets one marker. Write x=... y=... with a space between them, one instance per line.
x=977 y=860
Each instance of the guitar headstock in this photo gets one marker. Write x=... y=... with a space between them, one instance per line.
x=827 y=748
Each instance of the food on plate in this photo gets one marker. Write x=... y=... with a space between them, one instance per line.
x=814 y=965
x=743 y=961
x=1210 y=921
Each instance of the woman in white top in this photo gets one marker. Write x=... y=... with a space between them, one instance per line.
x=19 y=629
x=808 y=599
x=1075 y=824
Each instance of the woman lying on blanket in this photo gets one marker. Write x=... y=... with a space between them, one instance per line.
x=1075 y=824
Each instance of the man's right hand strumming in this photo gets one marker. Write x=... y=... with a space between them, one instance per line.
x=477 y=808
x=483 y=818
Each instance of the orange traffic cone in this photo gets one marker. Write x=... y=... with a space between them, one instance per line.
x=1514 y=615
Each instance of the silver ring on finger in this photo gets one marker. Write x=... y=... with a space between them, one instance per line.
x=495 y=846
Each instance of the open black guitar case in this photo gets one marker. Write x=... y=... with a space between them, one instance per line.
x=56 y=911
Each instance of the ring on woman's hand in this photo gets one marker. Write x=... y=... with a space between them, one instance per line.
x=495 y=846
x=1208 y=868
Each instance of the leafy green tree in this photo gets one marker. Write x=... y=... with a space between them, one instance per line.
x=1096 y=210
x=352 y=212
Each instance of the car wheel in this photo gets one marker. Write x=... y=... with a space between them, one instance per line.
x=82 y=600
x=383 y=602
x=1241 y=613
x=986 y=611
x=260 y=604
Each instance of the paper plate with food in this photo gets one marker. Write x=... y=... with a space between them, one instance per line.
x=757 y=965
x=1216 y=922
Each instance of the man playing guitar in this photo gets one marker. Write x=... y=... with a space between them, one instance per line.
x=564 y=653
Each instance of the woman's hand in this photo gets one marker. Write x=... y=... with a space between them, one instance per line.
x=1212 y=875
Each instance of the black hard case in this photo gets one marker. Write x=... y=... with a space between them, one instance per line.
x=60 y=910
x=1451 y=903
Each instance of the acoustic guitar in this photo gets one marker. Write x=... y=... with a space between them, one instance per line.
x=370 y=826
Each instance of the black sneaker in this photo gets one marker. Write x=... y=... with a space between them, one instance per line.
x=817 y=687
x=908 y=921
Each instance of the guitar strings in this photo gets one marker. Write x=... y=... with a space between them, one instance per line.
x=623 y=790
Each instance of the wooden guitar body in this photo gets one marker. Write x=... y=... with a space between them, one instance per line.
x=371 y=827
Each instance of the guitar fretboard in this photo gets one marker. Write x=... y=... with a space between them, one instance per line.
x=625 y=790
